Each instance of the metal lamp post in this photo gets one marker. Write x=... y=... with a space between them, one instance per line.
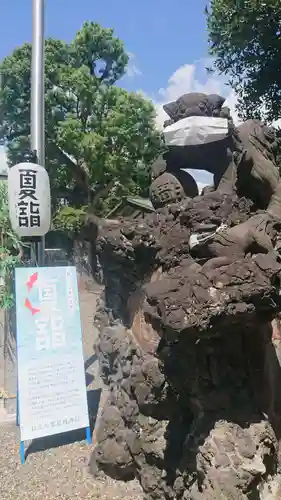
x=37 y=94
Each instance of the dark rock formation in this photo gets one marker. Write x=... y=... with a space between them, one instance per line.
x=196 y=104
x=190 y=337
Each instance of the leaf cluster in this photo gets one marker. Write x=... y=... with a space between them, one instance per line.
x=100 y=138
x=245 y=39
x=10 y=250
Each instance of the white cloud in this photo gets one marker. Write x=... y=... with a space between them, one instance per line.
x=231 y=102
x=132 y=69
x=193 y=78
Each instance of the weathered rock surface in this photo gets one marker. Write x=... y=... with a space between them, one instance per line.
x=190 y=338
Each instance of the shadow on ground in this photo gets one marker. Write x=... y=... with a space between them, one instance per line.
x=89 y=377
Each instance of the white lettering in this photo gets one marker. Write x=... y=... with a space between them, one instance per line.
x=50 y=330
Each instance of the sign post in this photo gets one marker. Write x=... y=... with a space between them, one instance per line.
x=28 y=182
x=52 y=395
x=37 y=95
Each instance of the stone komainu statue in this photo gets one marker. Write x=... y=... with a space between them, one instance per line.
x=189 y=321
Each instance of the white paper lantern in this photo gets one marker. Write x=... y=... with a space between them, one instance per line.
x=29 y=199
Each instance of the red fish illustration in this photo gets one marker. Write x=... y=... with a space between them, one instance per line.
x=29 y=306
x=33 y=278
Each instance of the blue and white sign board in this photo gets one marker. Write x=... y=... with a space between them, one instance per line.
x=51 y=378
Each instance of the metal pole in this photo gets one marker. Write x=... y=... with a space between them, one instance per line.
x=37 y=94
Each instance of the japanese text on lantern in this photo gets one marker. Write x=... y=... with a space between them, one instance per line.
x=50 y=331
x=28 y=204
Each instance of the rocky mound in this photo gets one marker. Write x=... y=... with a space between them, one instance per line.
x=189 y=322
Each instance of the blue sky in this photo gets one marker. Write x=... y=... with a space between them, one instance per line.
x=167 y=40
x=162 y=34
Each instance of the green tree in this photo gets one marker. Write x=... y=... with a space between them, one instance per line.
x=10 y=250
x=99 y=137
x=245 y=39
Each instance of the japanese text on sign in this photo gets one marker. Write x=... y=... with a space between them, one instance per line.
x=51 y=374
x=50 y=331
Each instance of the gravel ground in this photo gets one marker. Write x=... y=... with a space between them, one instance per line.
x=55 y=473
